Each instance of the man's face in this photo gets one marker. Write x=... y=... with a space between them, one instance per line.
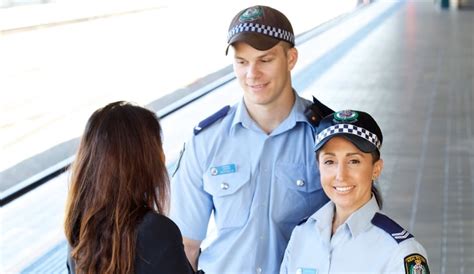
x=264 y=75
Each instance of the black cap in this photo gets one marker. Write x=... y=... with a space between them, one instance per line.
x=261 y=27
x=356 y=126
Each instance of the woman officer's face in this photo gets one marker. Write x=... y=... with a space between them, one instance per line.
x=347 y=173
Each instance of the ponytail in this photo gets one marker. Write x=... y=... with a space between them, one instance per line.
x=377 y=194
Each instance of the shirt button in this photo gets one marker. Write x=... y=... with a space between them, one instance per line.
x=224 y=186
x=300 y=182
x=213 y=171
x=259 y=270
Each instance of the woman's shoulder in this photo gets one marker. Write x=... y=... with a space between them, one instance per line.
x=390 y=227
x=160 y=246
x=157 y=225
x=406 y=249
x=396 y=234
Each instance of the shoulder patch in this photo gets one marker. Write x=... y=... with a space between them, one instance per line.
x=211 y=119
x=391 y=227
x=416 y=264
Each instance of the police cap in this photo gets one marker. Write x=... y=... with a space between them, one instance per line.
x=356 y=126
x=261 y=27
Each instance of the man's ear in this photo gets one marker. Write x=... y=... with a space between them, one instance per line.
x=292 y=54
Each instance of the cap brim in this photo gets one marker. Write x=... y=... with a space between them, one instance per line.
x=362 y=144
x=255 y=40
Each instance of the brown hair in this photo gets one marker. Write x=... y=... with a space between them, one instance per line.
x=118 y=175
x=375 y=189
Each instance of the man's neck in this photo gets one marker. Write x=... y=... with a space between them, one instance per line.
x=269 y=117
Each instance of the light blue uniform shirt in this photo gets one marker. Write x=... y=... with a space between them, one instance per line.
x=358 y=246
x=259 y=187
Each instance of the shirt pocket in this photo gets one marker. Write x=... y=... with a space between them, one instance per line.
x=232 y=197
x=298 y=192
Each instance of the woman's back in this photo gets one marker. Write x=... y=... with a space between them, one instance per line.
x=159 y=247
x=119 y=187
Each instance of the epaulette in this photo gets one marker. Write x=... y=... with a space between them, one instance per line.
x=211 y=119
x=391 y=227
x=316 y=112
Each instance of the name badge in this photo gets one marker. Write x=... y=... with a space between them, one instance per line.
x=303 y=270
x=225 y=169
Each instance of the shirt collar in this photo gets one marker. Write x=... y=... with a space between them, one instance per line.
x=296 y=115
x=322 y=221
x=357 y=223
x=241 y=117
x=324 y=215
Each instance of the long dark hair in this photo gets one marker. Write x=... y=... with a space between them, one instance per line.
x=118 y=175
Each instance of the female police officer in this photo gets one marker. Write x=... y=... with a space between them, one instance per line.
x=349 y=233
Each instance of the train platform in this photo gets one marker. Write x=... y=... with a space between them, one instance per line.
x=83 y=54
x=408 y=63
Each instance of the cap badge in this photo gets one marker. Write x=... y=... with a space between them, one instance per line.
x=346 y=116
x=251 y=14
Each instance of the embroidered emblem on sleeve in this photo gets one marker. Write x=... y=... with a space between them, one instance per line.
x=416 y=264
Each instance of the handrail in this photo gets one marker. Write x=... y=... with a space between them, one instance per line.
x=225 y=76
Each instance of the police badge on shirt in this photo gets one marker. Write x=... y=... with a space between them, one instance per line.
x=416 y=264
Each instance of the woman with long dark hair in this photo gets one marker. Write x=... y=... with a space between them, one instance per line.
x=118 y=197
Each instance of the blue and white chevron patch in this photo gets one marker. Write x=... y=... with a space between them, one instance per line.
x=391 y=227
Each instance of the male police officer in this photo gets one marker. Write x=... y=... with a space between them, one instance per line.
x=251 y=164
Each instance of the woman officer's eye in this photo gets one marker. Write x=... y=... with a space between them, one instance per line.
x=354 y=161
x=328 y=162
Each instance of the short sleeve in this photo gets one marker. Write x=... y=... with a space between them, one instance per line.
x=409 y=256
x=191 y=205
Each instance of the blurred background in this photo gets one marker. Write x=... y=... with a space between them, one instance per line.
x=60 y=60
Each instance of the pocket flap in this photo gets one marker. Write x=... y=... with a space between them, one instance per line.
x=220 y=185
x=298 y=177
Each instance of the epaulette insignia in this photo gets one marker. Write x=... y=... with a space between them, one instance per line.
x=211 y=119
x=316 y=112
x=391 y=227
x=303 y=221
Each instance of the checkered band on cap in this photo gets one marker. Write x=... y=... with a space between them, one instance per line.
x=274 y=32
x=350 y=129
